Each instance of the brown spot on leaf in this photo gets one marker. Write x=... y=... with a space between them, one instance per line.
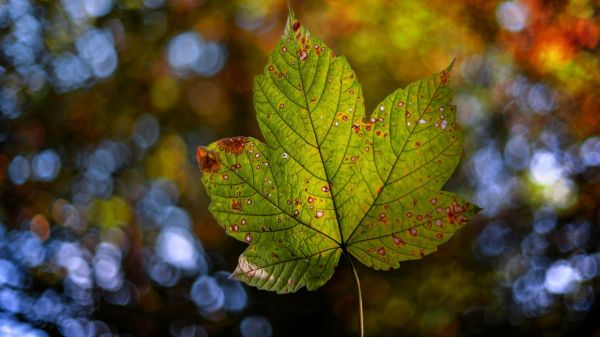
x=296 y=25
x=444 y=77
x=233 y=145
x=381 y=251
x=236 y=205
x=208 y=160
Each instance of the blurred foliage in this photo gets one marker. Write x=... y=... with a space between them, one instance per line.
x=105 y=224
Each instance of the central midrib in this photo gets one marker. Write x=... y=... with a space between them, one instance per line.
x=318 y=145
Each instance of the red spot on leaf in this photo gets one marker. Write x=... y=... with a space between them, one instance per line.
x=233 y=145
x=397 y=240
x=296 y=25
x=208 y=160
x=356 y=128
x=302 y=55
x=412 y=232
x=381 y=251
x=234 y=228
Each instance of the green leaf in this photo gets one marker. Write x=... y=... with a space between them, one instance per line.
x=330 y=179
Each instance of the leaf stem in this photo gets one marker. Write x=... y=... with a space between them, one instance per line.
x=360 y=302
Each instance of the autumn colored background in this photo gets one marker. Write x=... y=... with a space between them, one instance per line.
x=104 y=228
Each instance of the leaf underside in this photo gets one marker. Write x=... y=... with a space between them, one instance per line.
x=331 y=179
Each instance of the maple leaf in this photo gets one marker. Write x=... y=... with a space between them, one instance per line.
x=329 y=179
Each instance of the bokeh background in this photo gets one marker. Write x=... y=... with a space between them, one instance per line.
x=104 y=228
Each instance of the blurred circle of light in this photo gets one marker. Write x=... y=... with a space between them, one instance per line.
x=590 y=151
x=581 y=299
x=255 y=326
x=19 y=170
x=175 y=216
x=251 y=15
x=211 y=60
x=517 y=152
x=100 y=164
x=71 y=327
x=162 y=272
x=561 y=278
x=187 y=52
x=8 y=104
x=9 y=274
x=48 y=306
x=97 y=8
x=207 y=294
x=586 y=266
x=512 y=15
x=529 y=292
x=493 y=239
x=545 y=168
x=184 y=50
x=107 y=266
x=188 y=331
x=176 y=246
x=70 y=72
x=27 y=30
x=235 y=294
x=540 y=98
x=96 y=47
x=122 y=296
x=470 y=110
x=562 y=193
x=13 y=328
x=152 y=4
x=146 y=131
x=10 y=300
x=544 y=220
x=28 y=248
x=70 y=256
x=46 y=165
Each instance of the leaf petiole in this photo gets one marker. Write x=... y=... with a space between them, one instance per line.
x=360 y=302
